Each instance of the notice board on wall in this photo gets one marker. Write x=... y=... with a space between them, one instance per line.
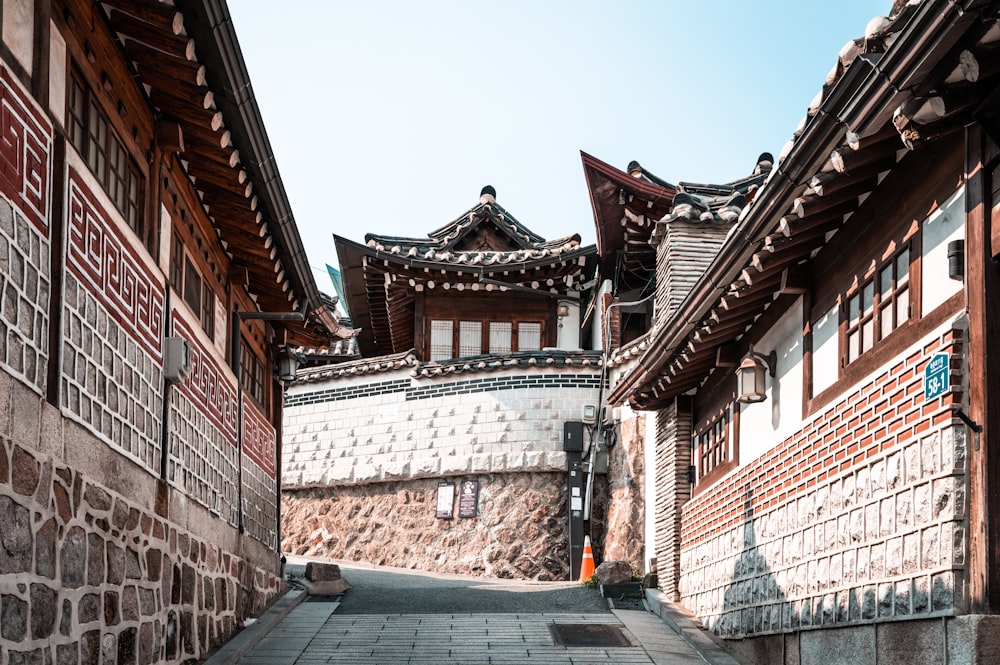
x=445 y=500
x=468 y=499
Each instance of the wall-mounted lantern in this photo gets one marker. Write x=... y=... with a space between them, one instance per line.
x=750 y=382
x=288 y=364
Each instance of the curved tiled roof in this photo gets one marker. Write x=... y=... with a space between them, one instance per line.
x=507 y=361
x=357 y=368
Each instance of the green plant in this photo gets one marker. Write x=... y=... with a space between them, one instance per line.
x=592 y=583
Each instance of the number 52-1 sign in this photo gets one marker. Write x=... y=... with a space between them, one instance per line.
x=936 y=380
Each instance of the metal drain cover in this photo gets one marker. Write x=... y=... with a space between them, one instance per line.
x=588 y=635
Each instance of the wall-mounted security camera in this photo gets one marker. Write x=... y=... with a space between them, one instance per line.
x=177 y=359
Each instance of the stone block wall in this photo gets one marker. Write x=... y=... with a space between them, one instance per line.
x=624 y=534
x=390 y=426
x=858 y=518
x=98 y=563
x=520 y=531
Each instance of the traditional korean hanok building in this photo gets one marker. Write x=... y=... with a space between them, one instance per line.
x=825 y=403
x=649 y=232
x=151 y=277
x=443 y=447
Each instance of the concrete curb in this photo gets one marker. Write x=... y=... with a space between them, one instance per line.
x=244 y=641
x=687 y=629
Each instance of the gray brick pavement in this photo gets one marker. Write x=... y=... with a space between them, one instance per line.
x=314 y=634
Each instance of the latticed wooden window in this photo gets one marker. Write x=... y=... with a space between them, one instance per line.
x=107 y=157
x=501 y=333
x=252 y=374
x=877 y=307
x=470 y=338
x=711 y=445
x=441 y=340
x=529 y=336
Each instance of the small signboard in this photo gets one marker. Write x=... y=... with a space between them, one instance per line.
x=445 y=500
x=468 y=499
x=936 y=379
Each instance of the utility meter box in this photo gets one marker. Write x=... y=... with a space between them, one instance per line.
x=573 y=437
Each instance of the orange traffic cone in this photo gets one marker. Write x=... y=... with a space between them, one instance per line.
x=587 y=564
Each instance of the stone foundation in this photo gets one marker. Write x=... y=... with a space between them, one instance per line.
x=92 y=575
x=624 y=537
x=962 y=640
x=520 y=532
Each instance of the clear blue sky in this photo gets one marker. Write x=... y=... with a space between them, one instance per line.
x=389 y=117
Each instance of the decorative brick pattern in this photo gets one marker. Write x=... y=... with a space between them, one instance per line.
x=509 y=422
x=204 y=459
x=351 y=392
x=25 y=153
x=203 y=462
x=260 y=508
x=87 y=571
x=25 y=255
x=673 y=455
x=860 y=516
x=109 y=382
x=100 y=257
x=260 y=487
x=259 y=437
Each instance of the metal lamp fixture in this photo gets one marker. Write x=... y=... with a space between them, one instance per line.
x=750 y=381
x=288 y=364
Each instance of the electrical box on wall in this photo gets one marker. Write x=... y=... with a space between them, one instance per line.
x=573 y=437
x=176 y=359
x=589 y=415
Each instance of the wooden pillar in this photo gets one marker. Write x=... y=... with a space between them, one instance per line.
x=982 y=281
x=419 y=342
x=673 y=456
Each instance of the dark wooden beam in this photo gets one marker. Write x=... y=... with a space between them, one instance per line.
x=181 y=69
x=178 y=46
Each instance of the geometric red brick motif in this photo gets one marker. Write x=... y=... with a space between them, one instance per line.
x=25 y=153
x=211 y=390
x=111 y=269
x=258 y=437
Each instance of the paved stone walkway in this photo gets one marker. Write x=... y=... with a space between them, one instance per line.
x=313 y=633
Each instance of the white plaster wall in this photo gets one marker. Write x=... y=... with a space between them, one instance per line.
x=945 y=224
x=826 y=350
x=780 y=415
x=19 y=30
x=569 y=325
x=57 y=75
x=378 y=434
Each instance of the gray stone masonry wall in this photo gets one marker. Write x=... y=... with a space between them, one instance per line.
x=90 y=572
x=24 y=296
x=858 y=518
x=520 y=531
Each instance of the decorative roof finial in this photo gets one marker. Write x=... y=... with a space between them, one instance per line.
x=488 y=195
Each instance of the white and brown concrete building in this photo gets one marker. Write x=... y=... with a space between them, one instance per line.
x=151 y=275
x=826 y=424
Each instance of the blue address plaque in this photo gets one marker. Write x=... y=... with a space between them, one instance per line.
x=936 y=379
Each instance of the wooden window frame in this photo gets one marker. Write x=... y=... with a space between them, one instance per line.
x=197 y=294
x=252 y=375
x=90 y=131
x=851 y=324
x=485 y=345
x=715 y=445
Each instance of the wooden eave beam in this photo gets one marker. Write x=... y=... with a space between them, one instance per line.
x=806 y=206
x=182 y=69
x=162 y=16
x=229 y=179
x=196 y=119
x=182 y=91
x=178 y=46
x=197 y=147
